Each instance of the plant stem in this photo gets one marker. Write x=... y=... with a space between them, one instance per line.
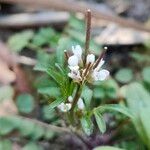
x=76 y=98
x=88 y=33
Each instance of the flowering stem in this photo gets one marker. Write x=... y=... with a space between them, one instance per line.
x=88 y=33
x=77 y=96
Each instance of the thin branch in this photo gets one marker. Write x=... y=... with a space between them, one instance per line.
x=74 y=6
x=48 y=126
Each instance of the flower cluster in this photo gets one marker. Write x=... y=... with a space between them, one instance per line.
x=91 y=71
x=65 y=107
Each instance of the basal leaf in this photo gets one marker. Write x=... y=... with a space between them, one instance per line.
x=114 y=107
x=25 y=103
x=87 y=125
x=100 y=121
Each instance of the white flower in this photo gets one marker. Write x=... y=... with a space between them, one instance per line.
x=100 y=75
x=90 y=58
x=73 y=60
x=64 y=107
x=100 y=64
x=77 y=51
x=75 y=73
x=80 y=104
x=70 y=99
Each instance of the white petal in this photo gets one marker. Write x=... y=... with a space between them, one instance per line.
x=70 y=99
x=80 y=104
x=74 y=68
x=61 y=106
x=77 y=50
x=100 y=64
x=103 y=74
x=90 y=58
x=73 y=60
x=68 y=106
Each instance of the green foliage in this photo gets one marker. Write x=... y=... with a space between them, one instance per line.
x=146 y=74
x=87 y=125
x=124 y=75
x=26 y=128
x=141 y=58
x=32 y=146
x=106 y=148
x=5 y=145
x=100 y=121
x=138 y=100
x=114 y=107
x=20 y=40
x=6 y=126
x=106 y=89
x=25 y=103
x=87 y=94
x=45 y=36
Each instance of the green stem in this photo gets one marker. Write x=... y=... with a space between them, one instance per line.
x=76 y=98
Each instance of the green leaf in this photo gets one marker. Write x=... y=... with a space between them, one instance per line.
x=44 y=61
x=25 y=103
x=114 y=107
x=146 y=74
x=47 y=113
x=32 y=146
x=99 y=93
x=64 y=43
x=5 y=145
x=50 y=91
x=100 y=121
x=6 y=126
x=20 y=40
x=37 y=133
x=87 y=125
x=44 y=36
x=55 y=103
x=87 y=95
x=138 y=100
x=55 y=75
x=124 y=75
x=26 y=128
x=107 y=148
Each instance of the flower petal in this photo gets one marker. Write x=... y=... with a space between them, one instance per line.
x=100 y=65
x=73 y=60
x=103 y=74
x=77 y=50
x=70 y=99
x=90 y=58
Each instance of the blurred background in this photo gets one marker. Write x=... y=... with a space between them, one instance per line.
x=34 y=33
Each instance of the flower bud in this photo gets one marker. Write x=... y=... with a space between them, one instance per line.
x=80 y=104
x=70 y=99
x=90 y=58
x=73 y=61
x=77 y=51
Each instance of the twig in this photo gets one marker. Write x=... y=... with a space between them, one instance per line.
x=48 y=126
x=74 y=6
x=33 y=19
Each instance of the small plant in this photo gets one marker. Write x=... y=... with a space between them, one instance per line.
x=82 y=71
